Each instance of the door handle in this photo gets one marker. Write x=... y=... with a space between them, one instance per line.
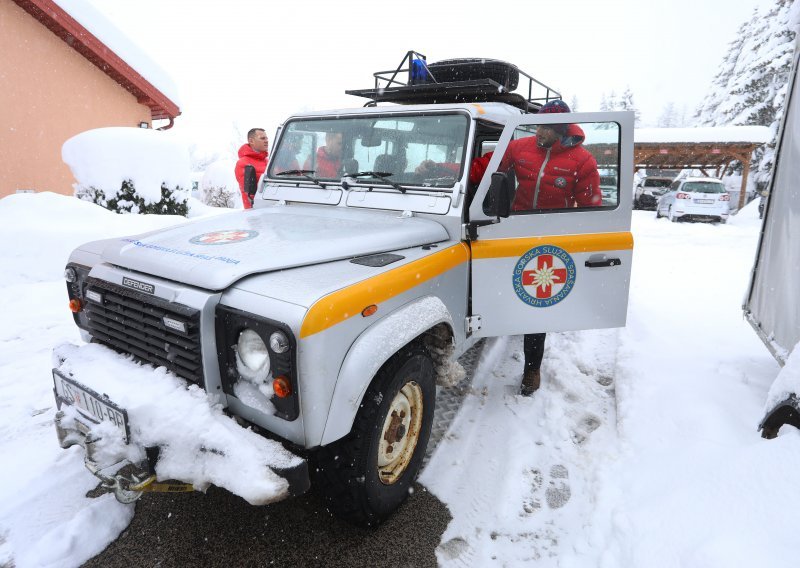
x=603 y=263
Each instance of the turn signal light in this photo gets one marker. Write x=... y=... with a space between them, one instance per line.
x=369 y=310
x=281 y=386
x=75 y=305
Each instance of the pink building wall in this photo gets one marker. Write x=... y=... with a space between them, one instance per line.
x=49 y=93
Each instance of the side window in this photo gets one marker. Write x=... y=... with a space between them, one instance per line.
x=674 y=185
x=564 y=166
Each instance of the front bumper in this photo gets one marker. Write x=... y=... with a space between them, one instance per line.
x=128 y=480
x=174 y=438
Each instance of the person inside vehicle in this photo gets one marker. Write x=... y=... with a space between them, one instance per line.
x=553 y=171
x=328 y=158
x=286 y=159
x=254 y=153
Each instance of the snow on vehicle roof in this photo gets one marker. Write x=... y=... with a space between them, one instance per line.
x=704 y=179
x=97 y=24
x=705 y=134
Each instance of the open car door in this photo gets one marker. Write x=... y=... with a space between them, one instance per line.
x=554 y=269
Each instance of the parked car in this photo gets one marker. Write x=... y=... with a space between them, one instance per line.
x=649 y=190
x=697 y=199
x=608 y=187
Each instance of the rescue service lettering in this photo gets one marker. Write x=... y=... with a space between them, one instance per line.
x=200 y=256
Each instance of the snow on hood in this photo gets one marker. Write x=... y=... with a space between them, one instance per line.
x=214 y=253
x=199 y=443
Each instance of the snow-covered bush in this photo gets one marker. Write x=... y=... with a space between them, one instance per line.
x=219 y=187
x=130 y=170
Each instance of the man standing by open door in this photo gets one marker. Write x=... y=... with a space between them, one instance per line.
x=254 y=153
x=553 y=171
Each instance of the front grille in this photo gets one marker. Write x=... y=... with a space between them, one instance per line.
x=132 y=322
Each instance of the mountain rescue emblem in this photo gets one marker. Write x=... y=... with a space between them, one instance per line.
x=224 y=237
x=544 y=276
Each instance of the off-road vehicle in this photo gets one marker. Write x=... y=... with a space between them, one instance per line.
x=325 y=316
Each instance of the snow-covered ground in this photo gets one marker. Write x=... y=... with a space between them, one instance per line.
x=640 y=450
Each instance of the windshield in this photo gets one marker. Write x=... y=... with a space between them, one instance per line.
x=703 y=187
x=385 y=148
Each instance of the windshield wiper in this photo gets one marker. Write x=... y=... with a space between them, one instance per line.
x=303 y=174
x=383 y=176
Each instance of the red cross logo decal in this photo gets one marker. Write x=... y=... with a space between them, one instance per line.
x=223 y=237
x=544 y=276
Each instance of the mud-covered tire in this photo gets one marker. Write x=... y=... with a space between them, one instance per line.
x=348 y=472
x=450 y=70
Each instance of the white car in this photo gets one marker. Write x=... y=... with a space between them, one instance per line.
x=697 y=199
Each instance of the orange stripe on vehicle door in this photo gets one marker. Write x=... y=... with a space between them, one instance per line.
x=348 y=302
x=498 y=248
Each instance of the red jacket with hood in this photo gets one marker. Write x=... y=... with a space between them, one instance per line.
x=549 y=178
x=249 y=157
x=326 y=166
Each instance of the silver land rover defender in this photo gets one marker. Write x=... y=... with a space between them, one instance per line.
x=324 y=316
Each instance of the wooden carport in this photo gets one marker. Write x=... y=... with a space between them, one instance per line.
x=712 y=150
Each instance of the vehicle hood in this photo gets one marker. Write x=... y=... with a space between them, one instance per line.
x=216 y=252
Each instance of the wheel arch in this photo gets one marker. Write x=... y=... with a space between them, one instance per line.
x=425 y=319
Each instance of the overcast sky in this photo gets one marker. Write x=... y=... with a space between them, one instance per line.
x=254 y=62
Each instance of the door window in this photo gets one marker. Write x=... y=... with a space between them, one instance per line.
x=563 y=166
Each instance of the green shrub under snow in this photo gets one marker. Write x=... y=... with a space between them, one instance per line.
x=130 y=170
x=127 y=200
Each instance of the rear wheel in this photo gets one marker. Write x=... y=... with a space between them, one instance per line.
x=672 y=217
x=365 y=476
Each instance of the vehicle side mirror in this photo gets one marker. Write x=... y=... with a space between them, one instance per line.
x=499 y=195
x=250 y=182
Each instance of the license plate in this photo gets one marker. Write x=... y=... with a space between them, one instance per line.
x=706 y=201
x=93 y=406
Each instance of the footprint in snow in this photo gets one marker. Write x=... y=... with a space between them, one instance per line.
x=556 y=489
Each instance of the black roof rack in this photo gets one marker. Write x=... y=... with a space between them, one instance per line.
x=422 y=87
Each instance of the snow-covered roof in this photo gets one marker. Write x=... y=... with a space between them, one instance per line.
x=87 y=31
x=703 y=134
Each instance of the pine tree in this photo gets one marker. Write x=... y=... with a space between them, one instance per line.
x=573 y=103
x=626 y=103
x=750 y=87
x=667 y=117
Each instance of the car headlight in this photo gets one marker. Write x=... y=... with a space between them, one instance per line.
x=260 y=351
x=253 y=356
x=278 y=342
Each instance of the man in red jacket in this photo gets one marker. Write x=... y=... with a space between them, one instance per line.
x=554 y=171
x=329 y=157
x=254 y=153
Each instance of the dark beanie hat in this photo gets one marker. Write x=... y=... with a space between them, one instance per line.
x=556 y=105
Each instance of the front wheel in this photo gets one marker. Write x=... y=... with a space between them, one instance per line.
x=366 y=475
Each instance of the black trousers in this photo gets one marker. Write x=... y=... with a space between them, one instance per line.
x=533 y=347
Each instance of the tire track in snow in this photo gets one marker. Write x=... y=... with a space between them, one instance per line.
x=519 y=474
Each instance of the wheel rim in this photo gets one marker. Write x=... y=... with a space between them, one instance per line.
x=400 y=433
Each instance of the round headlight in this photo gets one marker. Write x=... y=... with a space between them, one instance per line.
x=70 y=275
x=278 y=342
x=252 y=351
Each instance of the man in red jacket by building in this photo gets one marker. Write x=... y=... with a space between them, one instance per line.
x=254 y=153
x=553 y=171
